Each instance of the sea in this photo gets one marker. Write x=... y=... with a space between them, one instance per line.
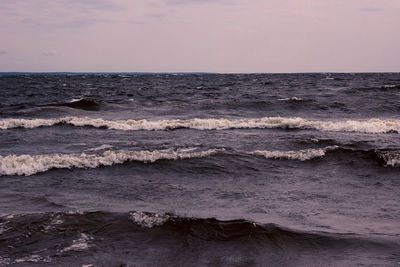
x=199 y=169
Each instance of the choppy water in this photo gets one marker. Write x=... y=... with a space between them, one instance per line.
x=200 y=169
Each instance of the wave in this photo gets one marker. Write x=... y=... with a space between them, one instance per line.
x=294 y=98
x=150 y=220
x=389 y=86
x=79 y=244
x=390 y=157
x=102 y=147
x=203 y=228
x=84 y=103
x=62 y=238
x=363 y=126
x=304 y=154
x=383 y=88
x=32 y=164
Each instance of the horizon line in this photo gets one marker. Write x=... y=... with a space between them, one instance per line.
x=186 y=72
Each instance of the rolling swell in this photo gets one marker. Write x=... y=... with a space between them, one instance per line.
x=32 y=164
x=174 y=239
x=362 y=126
x=303 y=154
x=390 y=157
x=387 y=87
x=85 y=104
x=383 y=157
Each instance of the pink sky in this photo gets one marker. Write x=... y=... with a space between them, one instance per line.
x=200 y=35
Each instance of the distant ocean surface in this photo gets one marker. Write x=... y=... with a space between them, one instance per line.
x=200 y=169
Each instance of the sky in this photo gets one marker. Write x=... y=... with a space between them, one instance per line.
x=225 y=36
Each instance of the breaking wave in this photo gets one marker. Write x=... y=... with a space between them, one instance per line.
x=84 y=103
x=383 y=87
x=391 y=157
x=363 y=126
x=31 y=164
x=90 y=235
x=294 y=98
x=204 y=228
x=304 y=154
x=148 y=219
x=79 y=244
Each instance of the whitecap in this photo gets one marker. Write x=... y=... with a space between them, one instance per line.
x=388 y=86
x=55 y=221
x=363 y=126
x=391 y=157
x=4 y=261
x=149 y=220
x=31 y=164
x=294 y=98
x=74 y=212
x=102 y=147
x=80 y=244
x=4 y=228
x=75 y=100
x=32 y=258
x=304 y=154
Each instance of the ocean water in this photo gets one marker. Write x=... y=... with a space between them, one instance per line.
x=200 y=169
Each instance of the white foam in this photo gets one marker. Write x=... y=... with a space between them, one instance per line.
x=74 y=212
x=102 y=147
x=55 y=221
x=26 y=123
x=4 y=228
x=364 y=126
x=80 y=244
x=32 y=258
x=390 y=86
x=4 y=261
x=148 y=220
x=294 y=98
x=391 y=157
x=31 y=164
x=393 y=163
x=304 y=154
x=75 y=100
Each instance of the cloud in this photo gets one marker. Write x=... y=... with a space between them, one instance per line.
x=56 y=14
x=3 y=52
x=70 y=4
x=371 y=9
x=50 y=53
x=95 y=4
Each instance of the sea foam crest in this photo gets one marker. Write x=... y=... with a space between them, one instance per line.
x=294 y=98
x=31 y=164
x=79 y=244
x=32 y=258
x=148 y=219
x=391 y=157
x=304 y=154
x=364 y=126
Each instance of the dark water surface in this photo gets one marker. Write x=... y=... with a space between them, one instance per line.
x=200 y=169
